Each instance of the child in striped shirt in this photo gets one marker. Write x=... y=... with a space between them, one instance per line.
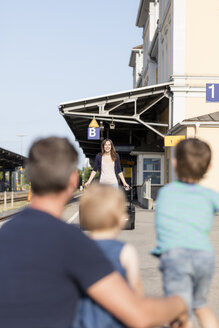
x=183 y=218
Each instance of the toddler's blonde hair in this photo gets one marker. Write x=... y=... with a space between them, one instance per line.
x=102 y=207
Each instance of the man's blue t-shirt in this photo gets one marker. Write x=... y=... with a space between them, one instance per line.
x=44 y=263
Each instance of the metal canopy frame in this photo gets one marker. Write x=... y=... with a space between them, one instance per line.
x=105 y=108
x=10 y=160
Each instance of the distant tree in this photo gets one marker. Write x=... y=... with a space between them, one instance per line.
x=87 y=172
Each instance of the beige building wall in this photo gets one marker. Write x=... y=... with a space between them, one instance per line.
x=211 y=136
x=188 y=50
x=202 y=39
x=201 y=82
x=169 y=154
x=202 y=53
x=197 y=106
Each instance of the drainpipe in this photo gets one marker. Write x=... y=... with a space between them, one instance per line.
x=195 y=124
x=170 y=115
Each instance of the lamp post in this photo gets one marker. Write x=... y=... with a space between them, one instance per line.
x=21 y=141
x=21 y=144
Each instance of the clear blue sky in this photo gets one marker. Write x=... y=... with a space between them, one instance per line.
x=56 y=51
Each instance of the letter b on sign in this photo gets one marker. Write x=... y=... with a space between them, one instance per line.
x=94 y=133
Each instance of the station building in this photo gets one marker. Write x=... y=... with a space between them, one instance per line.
x=178 y=57
x=10 y=163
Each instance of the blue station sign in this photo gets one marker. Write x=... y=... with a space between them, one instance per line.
x=212 y=92
x=93 y=130
x=93 y=133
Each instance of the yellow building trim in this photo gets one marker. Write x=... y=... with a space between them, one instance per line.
x=172 y=141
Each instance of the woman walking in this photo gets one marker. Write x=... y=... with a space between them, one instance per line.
x=108 y=164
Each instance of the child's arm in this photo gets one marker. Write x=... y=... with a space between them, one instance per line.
x=129 y=260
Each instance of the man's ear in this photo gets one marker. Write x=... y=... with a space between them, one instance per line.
x=73 y=180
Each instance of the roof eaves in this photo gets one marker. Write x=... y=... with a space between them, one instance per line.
x=184 y=123
x=142 y=13
x=211 y=117
x=11 y=153
x=126 y=93
x=153 y=50
x=138 y=49
x=132 y=59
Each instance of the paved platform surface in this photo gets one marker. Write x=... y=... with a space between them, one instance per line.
x=143 y=238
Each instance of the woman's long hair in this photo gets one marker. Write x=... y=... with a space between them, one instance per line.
x=112 y=151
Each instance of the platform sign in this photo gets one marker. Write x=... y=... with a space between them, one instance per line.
x=93 y=124
x=127 y=172
x=172 y=141
x=212 y=92
x=126 y=161
x=93 y=130
x=93 y=133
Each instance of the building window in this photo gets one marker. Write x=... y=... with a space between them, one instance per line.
x=152 y=170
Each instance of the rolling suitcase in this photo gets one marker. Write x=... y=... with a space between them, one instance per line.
x=130 y=223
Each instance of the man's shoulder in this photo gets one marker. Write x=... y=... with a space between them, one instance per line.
x=35 y=219
x=30 y=214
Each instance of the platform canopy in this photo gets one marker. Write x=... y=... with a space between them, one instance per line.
x=128 y=118
x=9 y=160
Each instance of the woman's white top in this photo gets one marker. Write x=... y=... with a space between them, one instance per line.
x=108 y=175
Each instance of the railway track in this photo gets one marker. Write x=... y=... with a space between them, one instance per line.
x=11 y=212
x=7 y=217
x=22 y=198
x=16 y=199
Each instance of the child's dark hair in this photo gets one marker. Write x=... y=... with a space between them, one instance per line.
x=193 y=158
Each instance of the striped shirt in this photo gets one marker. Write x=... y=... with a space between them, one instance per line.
x=183 y=217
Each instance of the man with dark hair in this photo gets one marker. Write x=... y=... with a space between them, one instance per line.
x=46 y=263
x=50 y=164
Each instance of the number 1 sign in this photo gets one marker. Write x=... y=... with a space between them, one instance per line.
x=212 y=92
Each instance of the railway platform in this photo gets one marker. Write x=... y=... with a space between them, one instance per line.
x=10 y=202
x=143 y=238
x=17 y=194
